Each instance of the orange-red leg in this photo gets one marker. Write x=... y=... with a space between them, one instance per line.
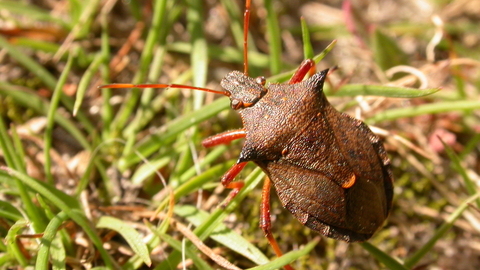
x=265 y=221
x=227 y=181
x=224 y=137
x=307 y=66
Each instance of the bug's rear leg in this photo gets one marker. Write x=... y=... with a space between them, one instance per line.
x=307 y=66
x=265 y=221
x=229 y=176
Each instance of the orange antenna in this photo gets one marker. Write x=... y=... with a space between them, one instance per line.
x=246 y=21
x=181 y=86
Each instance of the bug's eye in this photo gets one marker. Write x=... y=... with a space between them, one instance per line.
x=261 y=80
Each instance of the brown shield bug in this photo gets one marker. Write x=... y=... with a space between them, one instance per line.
x=329 y=170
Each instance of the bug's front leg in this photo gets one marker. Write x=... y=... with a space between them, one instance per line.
x=229 y=176
x=224 y=137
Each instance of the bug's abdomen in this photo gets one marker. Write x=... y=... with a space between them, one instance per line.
x=334 y=177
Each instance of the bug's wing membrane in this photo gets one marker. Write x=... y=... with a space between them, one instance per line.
x=323 y=205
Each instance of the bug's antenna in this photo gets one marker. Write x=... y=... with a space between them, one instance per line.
x=157 y=85
x=246 y=21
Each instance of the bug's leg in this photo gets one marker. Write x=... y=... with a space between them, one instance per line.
x=227 y=181
x=229 y=176
x=307 y=66
x=265 y=222
x=224 y=138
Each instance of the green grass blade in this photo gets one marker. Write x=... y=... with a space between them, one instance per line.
x=52 y=110
x=86 y=80
x=206 y=228
x=8 y=148
x=197 y=182
x=285 y=76
x=153 y=142
x=288 y=257
x=275 y=43
x=177 y=245
x=386 y=51
x=384 y=91
x=33 y=12
x=12 y=160
x=307 y=44
x=159 y=11
x=133 y=238
x=46 y=77
x=8 y=211
x=67 y=204
x=47 y=241
x=32 y=101
x=223 y=235
x=11 y=241
x=19 y=149
x=457 y=166
x=224 y=54
x=439 y=107
x=198 y=57
x=382 y=257
x=439 y=233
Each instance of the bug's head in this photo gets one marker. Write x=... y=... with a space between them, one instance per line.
x=243 y=90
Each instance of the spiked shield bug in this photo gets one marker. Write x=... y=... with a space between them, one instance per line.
x=329 y=170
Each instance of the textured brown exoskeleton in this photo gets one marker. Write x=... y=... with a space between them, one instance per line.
x=330 y=171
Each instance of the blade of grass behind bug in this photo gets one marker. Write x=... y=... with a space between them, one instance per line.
x=12 y=159
x=177 y=245
x=10 y=240
x=388 y=261
x=274 y=41
x=446 y=106
x=284 y=76
x=32 y=12
x=159 y=11
x=205 y=229
x=85 y=81
x=46 y=77
x=106 y=93
x=383 y=90
x=457 y=165
x=307 y=44
x=171 y=129
x=67 y=204
x=439 y=233
x=32 y=101
x=133 y=238
x=43 y=256
x=225 y=54
x=54 y=103
x=148 y=108
x=223 y=235
x=236 y=24
x=288 y=258
x=199 y=55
